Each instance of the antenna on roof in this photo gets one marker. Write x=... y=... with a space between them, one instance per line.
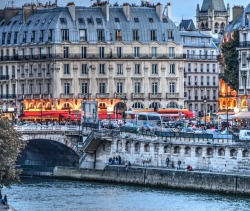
x=56 y=3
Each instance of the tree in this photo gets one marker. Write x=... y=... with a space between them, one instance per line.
x=11 y=145
x=231 y=64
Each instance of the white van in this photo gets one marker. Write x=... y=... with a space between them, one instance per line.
x=244 y=135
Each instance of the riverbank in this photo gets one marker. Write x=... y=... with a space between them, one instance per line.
x=6 y=208
x=167 y=178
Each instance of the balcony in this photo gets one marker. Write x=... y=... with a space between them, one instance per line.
x=120 y=95
x=66 y=95
x=47 y=96
x=28 y=96
x=37 y=96
x=172 y=95
x=154 y=96
x=8 y=96
x=84 y=95
x=201 y=57
x=244 y=44
x=135 y=96
x=102 y=95
x=229 y=94
x=4 y=77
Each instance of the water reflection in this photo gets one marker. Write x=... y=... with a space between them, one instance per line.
x=57 y=195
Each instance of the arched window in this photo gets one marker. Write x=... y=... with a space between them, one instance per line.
x=48 y=106
x=154 y=105
x=245 y=153
x=202 y=26
x=206 y=25
x=146 y=148
x=166 y=149
x=31 y=106
x=222 y=28
x=137 y=147
x=128 y=147
x=210 y=151
x=119 y=146
x=172 y=105
x=187 y=151
x=216 y=27
x=177 y=150
x=198 y=151
x=221 y=152
x=233 y=153
x=138 y=105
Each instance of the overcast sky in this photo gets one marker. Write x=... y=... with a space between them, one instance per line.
x=180 y=8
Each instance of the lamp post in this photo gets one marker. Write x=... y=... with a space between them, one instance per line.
x=41 y=114
x=244 y=76
x=205 y=109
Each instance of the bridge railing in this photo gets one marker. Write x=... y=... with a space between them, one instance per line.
x=49 y=128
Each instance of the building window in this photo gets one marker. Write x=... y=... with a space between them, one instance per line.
x=136 y=51
x=84 y=69
x=137 y=87
x=100 y=35
x=50 y=36
x=85 y=89
x=101 y=52
x=119 y=87
x=154 y=87
x=208 y=67
x=137 y=105
x=66 y=88
x=41 y=39
x=171 y=68
x=118 y=35
x=102 y=69
x=119 y=69
x=201 y=67
x=171 y=52
x=39 y=70
x=84 y=52
x=154 y=68
x=90 y=21
x=151 y=20
x=172 y=87
x=99 y=21
x=170 y=35
x=15 y=37
x=154 y=52
x=66 y=69
x=65 y=34
x=137 y=69
x=153 y=35
x=244 y=59
x=135 y=35
x=117 y=20
x=83 y=34
x=102 y=88
x=119 y=52
x=65 y=52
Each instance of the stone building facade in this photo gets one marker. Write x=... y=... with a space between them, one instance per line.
x=212 y=16
x=53 y=58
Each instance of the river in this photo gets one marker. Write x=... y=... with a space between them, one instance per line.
x=36 y=194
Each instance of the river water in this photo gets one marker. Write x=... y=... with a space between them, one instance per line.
x=35 y=194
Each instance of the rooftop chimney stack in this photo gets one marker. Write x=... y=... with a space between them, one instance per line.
x=126 y=11
x=105 y=9
x=169 y=10
x=72 y=10
x=158 y=9
x=237 y=11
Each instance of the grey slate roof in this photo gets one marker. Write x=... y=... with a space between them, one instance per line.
x=46 y=19
x=217 y=5
x=187 y=25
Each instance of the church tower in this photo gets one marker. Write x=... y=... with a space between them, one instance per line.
x=212 y=16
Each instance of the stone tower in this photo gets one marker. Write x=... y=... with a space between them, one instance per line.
x=213 y=16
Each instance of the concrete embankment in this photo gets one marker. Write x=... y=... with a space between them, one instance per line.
x=202 y=181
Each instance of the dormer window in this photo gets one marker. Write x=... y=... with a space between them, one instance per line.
x=117 y=20
x=151 y=20
x=14 y=22
x=98 y=20
x=29 y=22
x=37 y=22
x=8 y=23
x=44 y=21
x=90 y=21
x=165 y=20
x=50 y=21
x=63 y=21
x=81 y=20
x=136 y=20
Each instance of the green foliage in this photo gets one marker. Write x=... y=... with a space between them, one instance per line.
x=231 y=70
x=11 y=145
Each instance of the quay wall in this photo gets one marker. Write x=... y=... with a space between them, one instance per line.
x=167 y=178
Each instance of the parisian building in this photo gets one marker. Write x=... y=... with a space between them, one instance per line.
x=212 y=16
x=201 y=72
x=125 y=57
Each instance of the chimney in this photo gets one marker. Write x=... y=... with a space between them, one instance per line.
x=169 y=11
x=237 y=11
x=126 y=11
x=105 y=9
x=27 y=12
x=72 y=10
x=158 y=9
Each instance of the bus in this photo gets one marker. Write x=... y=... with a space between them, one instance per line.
x=167 y=118
x=143 y=119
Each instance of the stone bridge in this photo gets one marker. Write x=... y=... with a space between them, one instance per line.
x=51 y=146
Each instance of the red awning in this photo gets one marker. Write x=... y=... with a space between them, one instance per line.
x=110 y=116
x=188 y=114
x=44 y=114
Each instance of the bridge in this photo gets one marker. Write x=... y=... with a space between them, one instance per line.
x=50 y=146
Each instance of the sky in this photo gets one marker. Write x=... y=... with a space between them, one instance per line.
x=185 y=9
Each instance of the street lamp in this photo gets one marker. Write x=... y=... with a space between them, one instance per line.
x=41 y=114
x=205 y=109
x=244 y=76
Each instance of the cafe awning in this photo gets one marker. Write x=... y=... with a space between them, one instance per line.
x=242 y=115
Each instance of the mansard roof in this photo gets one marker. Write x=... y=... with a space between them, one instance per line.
x=187 y=25
x=143 y=19
x=217 y=5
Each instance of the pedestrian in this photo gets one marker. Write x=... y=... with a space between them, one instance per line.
x=172 y=165
x=167 y=162
x=120 y=159
x=179 y=165
x=1 y=195
x=5 y=199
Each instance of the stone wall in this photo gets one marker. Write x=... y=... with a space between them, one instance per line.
x=204 y=181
